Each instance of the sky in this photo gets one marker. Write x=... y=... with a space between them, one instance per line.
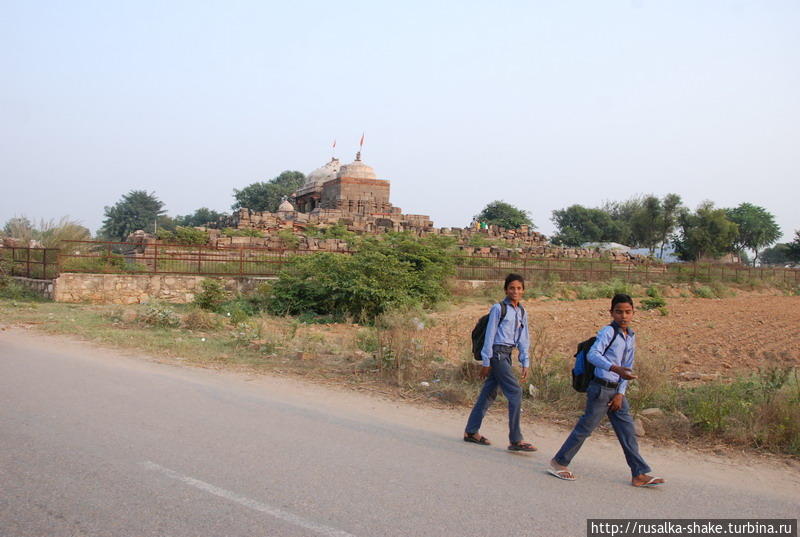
x=542 y=104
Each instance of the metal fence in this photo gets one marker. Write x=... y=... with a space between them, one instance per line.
x=37 y=263
x=134 y=258
x=589 y=270
x=244 y=260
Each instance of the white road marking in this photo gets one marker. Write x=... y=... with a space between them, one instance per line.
x=247 y=502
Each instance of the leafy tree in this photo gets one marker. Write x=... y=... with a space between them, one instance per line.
x=19 y=227
x=670 y=209
x=644 y=223
x=505 y=215
x=578 y=224
x=777 y=255
x=200 y=217
x=49 y=233
x=757 y=228
x=794 y=248
x=705 y=233
x=622 y=214
x=267 y=196
x=136 y=210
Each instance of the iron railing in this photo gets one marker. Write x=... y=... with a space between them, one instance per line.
x=36 y=263
x=245 y=260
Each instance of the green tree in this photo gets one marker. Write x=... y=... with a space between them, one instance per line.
x=777 y=255
x=645 y=222
x=623 y=214
x=705 y=233
x=794 y=248
x=757 y=228
x=136 y=210
x=670 y=209
x=200 y=217
x=505 y=215
x=19 y=227
x=267 y=196
x=578 y=224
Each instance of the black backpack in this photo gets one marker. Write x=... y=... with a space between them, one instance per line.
x=583 y=372
x=479 y=332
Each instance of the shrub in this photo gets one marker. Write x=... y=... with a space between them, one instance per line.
x=202 y=320
x=703 y=292
x=288 y=239
x=232 y=232
x=395 y=272
x=160 y=316
x=653 y=303
x=237 y=311
x=184 y=235
x=212 y=295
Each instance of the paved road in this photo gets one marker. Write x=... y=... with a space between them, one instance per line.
x=97 y=443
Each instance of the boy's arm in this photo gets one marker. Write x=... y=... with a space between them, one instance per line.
x=595 y=355
x=491 y=331
x=524 y=343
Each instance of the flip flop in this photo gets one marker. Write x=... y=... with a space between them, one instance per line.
x=522 y=446
x=653 y=482
x=560 y=474
x=482 y=441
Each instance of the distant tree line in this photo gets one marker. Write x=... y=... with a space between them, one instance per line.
x=654 y=223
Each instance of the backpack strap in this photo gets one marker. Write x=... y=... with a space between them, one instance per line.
x=503 y=311
x=612 y=339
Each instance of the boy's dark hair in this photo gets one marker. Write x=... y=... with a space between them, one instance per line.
x=621 y=298
x=514 y=278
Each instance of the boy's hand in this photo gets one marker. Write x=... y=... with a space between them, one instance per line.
x=623 y=372
x=484 y=371
x=524 y=374
x=616 y=402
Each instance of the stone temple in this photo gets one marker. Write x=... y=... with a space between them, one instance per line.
x=348 y=194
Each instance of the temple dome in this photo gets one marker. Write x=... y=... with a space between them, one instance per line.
x=357 y=170
x=285 y=207
x=322 y=175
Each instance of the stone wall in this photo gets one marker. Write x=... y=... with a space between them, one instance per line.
x=43 y=288
x=137 y=288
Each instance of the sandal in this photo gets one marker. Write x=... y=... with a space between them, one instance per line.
x=652 y=482
x=522 y=446
x=481 y=440
x=566 y=475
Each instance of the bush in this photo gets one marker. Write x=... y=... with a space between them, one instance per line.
x=184 y=235
x=201 y=320
x=212 y=295
x=396 y=272
x=289 y=240
x=160 y=316
x=653 y=303
x=237 y=311
x=231 y=232
x=12 y=290
x=703 y=292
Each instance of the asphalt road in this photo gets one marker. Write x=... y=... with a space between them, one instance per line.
x=94 y=442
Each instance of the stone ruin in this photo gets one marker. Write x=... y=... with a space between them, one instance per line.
x=352 y=195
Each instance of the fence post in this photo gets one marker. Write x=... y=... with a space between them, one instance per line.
x=199 y=260
x=28 y=275
x=241 y=261
x=155 y=255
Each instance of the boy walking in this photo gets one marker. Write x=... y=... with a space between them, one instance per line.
x=503 y=333
x=612 y=356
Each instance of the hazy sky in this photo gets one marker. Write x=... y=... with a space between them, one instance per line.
x=541 y=104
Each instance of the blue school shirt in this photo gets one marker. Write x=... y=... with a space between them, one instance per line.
x=513 y=331
x=621 y=352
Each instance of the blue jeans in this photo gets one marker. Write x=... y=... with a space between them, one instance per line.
x=597 y=399
x=502 y=376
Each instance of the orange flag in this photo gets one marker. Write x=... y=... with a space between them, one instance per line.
x=361 y=144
